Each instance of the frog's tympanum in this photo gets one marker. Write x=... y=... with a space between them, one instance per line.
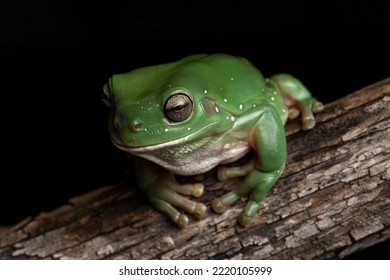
x=188 y=116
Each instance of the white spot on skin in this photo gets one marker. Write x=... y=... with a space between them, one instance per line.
x=284 y=111
x=205 y=91
x=166 y=130
x=272 y=98
x=254 y=105
x=189 y=128
x=241 y=106
x=216 y=109
x=225 y=99
x=232 y=118
x=274 y=92
x=231 y=78
x=146 y=129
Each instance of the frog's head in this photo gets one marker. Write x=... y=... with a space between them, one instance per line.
x=162 y=106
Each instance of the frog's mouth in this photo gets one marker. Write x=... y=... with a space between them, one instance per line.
x=139 y=150
x=173 y=143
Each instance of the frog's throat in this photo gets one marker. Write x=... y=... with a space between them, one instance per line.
x=177 y=142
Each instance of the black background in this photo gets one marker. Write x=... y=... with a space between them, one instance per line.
x=56 y=55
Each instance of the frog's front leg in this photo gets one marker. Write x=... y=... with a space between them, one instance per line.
x=267 y=138
x=297 y=98
x=166 y=195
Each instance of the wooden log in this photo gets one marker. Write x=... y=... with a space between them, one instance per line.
x=333 y=199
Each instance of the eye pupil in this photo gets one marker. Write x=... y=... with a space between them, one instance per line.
x=178 y=107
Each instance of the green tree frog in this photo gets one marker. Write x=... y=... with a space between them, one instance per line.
x=187 y=117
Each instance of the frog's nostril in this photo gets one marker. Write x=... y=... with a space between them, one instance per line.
x=136 y=126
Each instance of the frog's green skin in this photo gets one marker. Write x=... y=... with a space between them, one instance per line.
x=188 y=116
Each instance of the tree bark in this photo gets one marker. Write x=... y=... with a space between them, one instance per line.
x=333 y=199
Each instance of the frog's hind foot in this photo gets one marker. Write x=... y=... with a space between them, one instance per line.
x=297 y=99
x=307 y=107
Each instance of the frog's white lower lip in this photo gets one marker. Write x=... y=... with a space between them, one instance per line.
x=137 y=150
x=151 y=147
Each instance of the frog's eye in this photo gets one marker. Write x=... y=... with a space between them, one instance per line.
x=178 y=107
x=106 y=95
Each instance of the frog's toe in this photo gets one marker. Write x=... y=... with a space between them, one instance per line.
x=200 y=210
x=308 y=122
x=226 y=173
x=182 y=220
x=218 y=206
x=244 y=220
x=197 y=190
x=221 y=174
x=317 y=107
x=293 y=113
x=171 y=212
x=248 y=213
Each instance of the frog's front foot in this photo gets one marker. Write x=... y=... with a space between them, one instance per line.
x=167 y=196
x=226 y=173
x=220 y=204
x=248 y=213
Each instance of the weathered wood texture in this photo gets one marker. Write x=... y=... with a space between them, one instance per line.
x=332 y=200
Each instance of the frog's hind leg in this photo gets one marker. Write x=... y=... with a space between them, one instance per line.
x=297 y=98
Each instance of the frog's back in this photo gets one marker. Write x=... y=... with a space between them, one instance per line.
x=232 y=82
